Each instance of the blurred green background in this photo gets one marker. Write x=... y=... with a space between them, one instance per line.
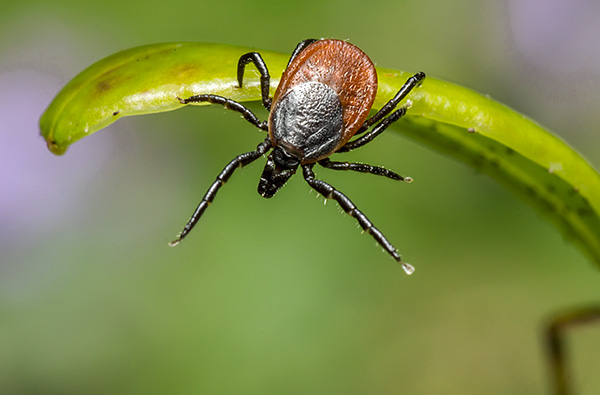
x=285 y=296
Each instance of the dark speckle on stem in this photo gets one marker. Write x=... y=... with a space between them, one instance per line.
x=103 y=86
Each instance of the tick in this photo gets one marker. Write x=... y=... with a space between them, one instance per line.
x=323 y=100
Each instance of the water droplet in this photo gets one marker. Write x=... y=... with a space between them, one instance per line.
x=408 y=268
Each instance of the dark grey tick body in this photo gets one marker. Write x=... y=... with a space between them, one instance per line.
x=322 y=100
x=308 y=121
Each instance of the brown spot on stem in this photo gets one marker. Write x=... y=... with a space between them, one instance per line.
x=103 y=86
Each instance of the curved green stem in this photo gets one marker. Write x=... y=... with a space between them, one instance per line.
x=489 y=136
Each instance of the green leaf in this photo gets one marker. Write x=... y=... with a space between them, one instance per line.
x=489 y=136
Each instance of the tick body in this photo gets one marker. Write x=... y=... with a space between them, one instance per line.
x=323 y=100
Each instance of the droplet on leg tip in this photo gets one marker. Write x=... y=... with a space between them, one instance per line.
x=408 y=268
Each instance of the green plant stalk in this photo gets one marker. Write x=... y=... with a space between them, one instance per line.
x=514 y=150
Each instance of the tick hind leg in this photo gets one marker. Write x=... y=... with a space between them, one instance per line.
x=265 y=78
x=239 y=161
x=408 y=86
x=388 y=107
x=377 y=130
x=299 y=48
x=230 y=105
x=329 y=192
x=363 y=168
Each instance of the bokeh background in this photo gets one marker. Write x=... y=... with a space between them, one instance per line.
x=285 y=296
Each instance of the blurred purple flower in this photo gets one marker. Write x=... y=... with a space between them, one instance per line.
x=549 y=33
x=39 y=192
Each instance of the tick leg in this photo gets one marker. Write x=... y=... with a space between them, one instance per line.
x=377 y=130
x=346 y=204
x=265 y=78
x=363 y=168
x=408 y=86
x=299 y=48
x=239 y=161
x=385 y=110
x=230 y=105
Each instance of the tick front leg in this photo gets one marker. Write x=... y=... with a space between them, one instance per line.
x=346 y=204
x=239 y=161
